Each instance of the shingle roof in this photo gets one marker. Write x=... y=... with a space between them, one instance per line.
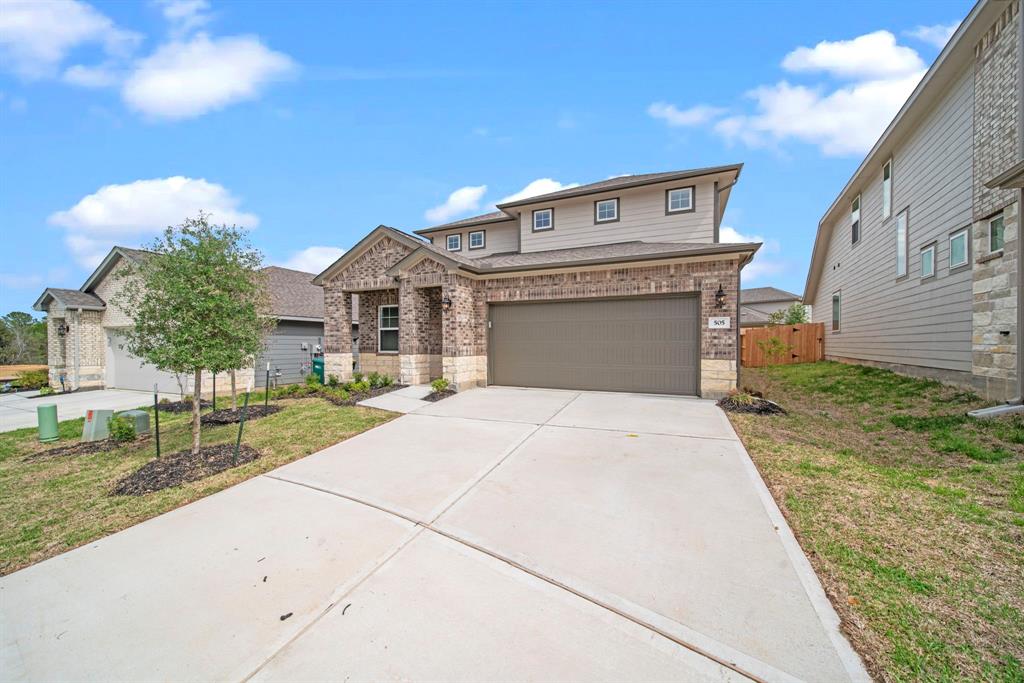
x=492 y=217
x=72 y=298
x=293 y=294
x=761 y=295
x=751 y=316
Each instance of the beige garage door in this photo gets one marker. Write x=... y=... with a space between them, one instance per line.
x=648 y=345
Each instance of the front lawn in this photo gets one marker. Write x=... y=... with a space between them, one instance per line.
x=52 y=504
x=911 y=512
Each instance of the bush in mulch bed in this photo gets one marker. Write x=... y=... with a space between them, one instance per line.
x=227 y=416
x=740 y=402
x=435 y=396
x=82 y=448
x=182 y=467
x=345 y=398
x=181 y=406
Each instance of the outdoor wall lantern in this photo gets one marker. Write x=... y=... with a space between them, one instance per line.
x=62 y=329
x=720 y=297
x=446 y=304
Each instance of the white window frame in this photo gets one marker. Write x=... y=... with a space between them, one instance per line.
x=930 y=249
x=381 y=328
x=837 y=312
x=887 y=189
x=448 y=242
x=551 y=220
x=855 y=224
x=597 y=210
x=991 y=221
x=483 y=239
x=902 y=243
x=690 y=190
x=962 y=232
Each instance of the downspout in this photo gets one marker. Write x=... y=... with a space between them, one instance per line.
x=78 y=346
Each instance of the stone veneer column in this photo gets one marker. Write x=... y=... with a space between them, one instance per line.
x=337 y=332
x=464 y=334
x=994 y=338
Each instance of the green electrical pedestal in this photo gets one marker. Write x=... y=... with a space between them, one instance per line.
x=47 y=416
x=140 y=418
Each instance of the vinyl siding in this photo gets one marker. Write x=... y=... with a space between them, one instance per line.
x=283 y=350
x=641 y=218
x=500 y=238
x=908 y=321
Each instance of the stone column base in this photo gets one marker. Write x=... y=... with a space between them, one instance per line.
x=339 y=365
x=717 y=377
x=465 y=372
x=418 y=368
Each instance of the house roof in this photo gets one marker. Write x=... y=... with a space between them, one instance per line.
x=957 y=53
x=293 y=294
x=69 y=298
x=763 y=295
x=109 y=261
x=357 y=249
x=752 y=316
x=492 y=217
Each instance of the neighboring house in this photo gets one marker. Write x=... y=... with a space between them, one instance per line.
x=617 y=285
x=758 y=303
x=915 y=265
x=86 y=345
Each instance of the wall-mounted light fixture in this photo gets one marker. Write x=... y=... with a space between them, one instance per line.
x=62 y=328
x=446 y=303
x=720 y=297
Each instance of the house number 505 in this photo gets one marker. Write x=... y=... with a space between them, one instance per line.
x=719 y=323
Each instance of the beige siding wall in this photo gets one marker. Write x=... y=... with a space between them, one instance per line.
x=641 y=217
x=106 y=290
x=909 y=321
x=499 y=238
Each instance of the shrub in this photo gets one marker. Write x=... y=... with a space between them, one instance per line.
x=386 y=381
x=338 y=394
x=312 y=380
x=333 y=381
x=32 y=379
x=440 y=384
x=122 y=430
x=46 y=391
x=741 y=397
x=374 y=378
x=358 y=377
x=358 y=387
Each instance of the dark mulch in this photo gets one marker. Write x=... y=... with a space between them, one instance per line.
x=435 y=396
x=356 y=398
x=176 y=469
x=229 y=416
x=81 y=448
x=757 y=406
x=182 y=406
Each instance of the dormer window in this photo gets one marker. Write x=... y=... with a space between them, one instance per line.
x=543 y=219
x=606 y=210
x=454 y=242
x=679 y=200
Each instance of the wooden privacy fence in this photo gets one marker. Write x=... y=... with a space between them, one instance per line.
x=802 y=343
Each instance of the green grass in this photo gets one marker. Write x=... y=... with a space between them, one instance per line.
x=911 y=511
x=50 y=505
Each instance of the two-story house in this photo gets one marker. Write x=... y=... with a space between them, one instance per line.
x=915 y=264
x=619 y=285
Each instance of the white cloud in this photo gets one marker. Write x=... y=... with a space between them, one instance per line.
x=460 y=201
x=765 y=263
x=937 y=35
x=37 y=35
x=872 y=55
x=694 y=116
x=128 y=213
x=20 y=281
x=102 y=76
x=187 y=79
x=313 y=259
x=537 y=188
x=185 y=16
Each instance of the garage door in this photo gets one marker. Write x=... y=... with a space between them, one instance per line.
x=648 y=345
x=125 y=371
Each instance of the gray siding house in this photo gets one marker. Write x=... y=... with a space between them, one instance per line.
x=757 y=303
x=915 y=263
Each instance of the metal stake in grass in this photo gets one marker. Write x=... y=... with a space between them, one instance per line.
x=266 y=388
x=241 y=424
x=215 y=392
x=156 y=419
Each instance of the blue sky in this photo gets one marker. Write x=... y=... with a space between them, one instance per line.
x=313 y=122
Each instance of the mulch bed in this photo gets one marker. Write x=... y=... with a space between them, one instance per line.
x=758 y=406
x=82 y=448
x=356 y=398
x=229 y=416
x=181 y=406
x=179 y=468
x=435 y=396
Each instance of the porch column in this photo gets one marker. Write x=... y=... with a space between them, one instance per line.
x=337 y=332
x=413 y=333
x=464 y=334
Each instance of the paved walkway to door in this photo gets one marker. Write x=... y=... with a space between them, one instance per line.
x=499 y=534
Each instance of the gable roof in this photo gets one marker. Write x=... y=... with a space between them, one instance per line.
x=110 y=260
x=69 y=298
x=374 y=235
x=492 y=217
x=764 y=295
x=293 y=294
x=751 y=316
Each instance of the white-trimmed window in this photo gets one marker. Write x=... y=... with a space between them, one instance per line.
x=887 y=189
x=928 y=261
x=387 y=329
x=855 y=220
x=543 y=219
x=454 y=242
x=477 y=239
x=837 y=304
x=959 y=253
x=679 y=200
x=606 y=210
x=901 y=244
x=996 y=233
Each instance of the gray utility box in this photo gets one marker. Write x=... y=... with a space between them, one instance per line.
x=140 y=418
x=97 y=425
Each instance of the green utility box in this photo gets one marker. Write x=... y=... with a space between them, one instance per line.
x=97 y=425
x=47 y=416
x=318 y=369
x=140 y=418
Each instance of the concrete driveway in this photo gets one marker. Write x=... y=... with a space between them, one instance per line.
x=502 y=533
x=17 y=411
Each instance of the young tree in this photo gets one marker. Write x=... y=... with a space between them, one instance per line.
x=793 y=315
x=200 y=304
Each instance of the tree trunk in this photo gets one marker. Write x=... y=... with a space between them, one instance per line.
x=196 y=399
x=234 y=395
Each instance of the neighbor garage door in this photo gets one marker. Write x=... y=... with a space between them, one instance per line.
x=646 y=345
x=125 y=371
